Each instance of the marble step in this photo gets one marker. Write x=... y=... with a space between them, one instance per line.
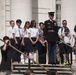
x=20 y=69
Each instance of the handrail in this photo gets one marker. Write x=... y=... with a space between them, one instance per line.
x=26 y=56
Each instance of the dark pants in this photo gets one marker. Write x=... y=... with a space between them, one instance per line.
x=64 y=49
x=17 y=55
x=42 y=53
x=61 y=47
x=51 y=51
x=12 y=50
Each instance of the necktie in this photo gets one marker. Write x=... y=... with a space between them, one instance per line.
x=19 y=32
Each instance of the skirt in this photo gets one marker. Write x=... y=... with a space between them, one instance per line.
x=26 y=46
x=64 y=49
x=33 y=47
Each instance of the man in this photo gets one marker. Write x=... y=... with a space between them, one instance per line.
x=61 y=36
x=61 y=30
x=10 y=30
x=17 y=35
x=50 y=34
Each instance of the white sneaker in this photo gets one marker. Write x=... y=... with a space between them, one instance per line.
x=35 y=57
x=26 y=60
x=31 y=56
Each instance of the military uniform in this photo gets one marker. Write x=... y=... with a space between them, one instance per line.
x=51 y=35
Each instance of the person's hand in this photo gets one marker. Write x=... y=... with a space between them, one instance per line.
x=16 y=42
x=62 y=35
x=23 y=43
x=33 y=42
x=6 y=41
x=43 y=43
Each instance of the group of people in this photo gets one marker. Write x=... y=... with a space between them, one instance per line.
x=31 y=39
x=28 y=40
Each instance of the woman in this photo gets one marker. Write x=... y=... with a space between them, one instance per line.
x=41 y=45
x=25 y=40
x=6 y=55
x=33 y=36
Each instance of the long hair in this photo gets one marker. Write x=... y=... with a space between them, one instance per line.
x=27 y=22
x=33 y=23
x=75 y=28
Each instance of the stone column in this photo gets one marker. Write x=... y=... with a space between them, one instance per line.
x=68 y=12
x=2 y=19
x=21 y=9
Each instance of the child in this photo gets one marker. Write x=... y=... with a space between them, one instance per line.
x=33 y=36
x=41 y=45
x=67 y=49
x=17 y=36
x=6 y=55
x=10 y=30
x=25 y=40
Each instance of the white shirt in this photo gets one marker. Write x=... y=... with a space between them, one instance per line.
x=9 y=32
x=25 y=33
x=61 y=32
x=51 y=20
x=66 y=39
x=17 y=31
x=34 y=32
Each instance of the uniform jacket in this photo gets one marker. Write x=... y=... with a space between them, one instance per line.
x=50 y=31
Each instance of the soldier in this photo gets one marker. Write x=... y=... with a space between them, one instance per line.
x=50 y=34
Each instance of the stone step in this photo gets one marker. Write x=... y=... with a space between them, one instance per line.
x=20 y=69
x=44 y=72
